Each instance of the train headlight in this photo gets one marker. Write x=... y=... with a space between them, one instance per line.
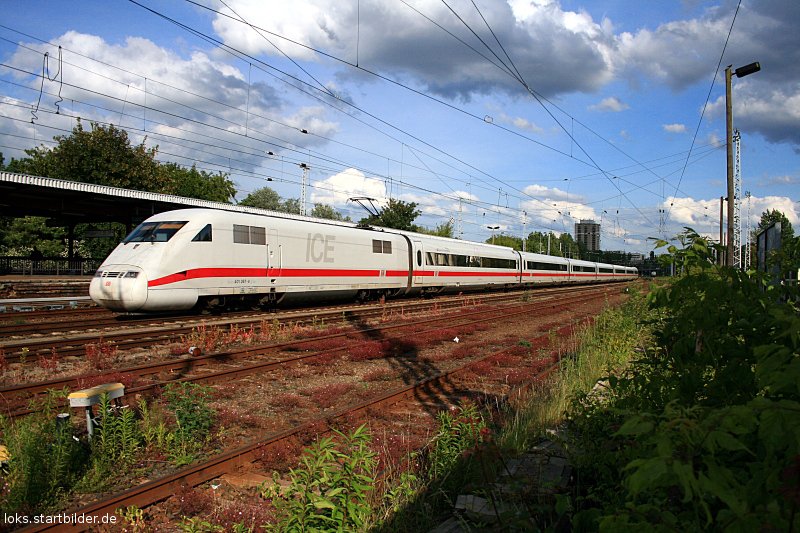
x=131 y=274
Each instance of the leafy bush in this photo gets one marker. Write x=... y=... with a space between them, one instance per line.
x=45 y=461
x=329 y=491
x=703 y=432
x=189 y=402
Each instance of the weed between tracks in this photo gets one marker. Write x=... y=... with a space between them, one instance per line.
x=47 y=462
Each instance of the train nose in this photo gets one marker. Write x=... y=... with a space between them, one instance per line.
x=120 y=288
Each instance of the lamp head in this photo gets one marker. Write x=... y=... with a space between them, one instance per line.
x=741 y=72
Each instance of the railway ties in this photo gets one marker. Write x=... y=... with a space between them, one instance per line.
x=250 y=359
x=423 y=396
x=450 y=386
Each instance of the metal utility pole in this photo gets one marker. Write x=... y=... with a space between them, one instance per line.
x=305 y=168
x=524 y=237
x=740 y=72
x=747 y=243
x=737 y=204
x=460 y=227
x=721 y=258
x=493 y=228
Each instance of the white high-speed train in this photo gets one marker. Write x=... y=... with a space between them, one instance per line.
x=178 y=260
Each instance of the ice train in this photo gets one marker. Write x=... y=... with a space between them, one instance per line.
x=179 y=260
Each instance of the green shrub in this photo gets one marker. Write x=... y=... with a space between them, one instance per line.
x=330 y=489
x=189 y=402
x=703 y=432
x=45 y=461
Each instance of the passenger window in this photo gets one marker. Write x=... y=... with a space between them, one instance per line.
x=204 y=235
x=241 y=234
x=258 y=235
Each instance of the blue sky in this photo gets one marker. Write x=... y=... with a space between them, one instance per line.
x=519 y=114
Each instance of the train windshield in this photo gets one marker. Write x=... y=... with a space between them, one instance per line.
x=154 y=231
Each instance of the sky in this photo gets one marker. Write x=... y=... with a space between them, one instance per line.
x=505 y=116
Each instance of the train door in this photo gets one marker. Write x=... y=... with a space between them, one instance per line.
x=274 y=254
x=419 y=264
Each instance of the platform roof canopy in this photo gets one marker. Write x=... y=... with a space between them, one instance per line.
x=71 y=202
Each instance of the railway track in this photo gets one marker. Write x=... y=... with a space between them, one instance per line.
x=148 y=331
x=446 y=387
x=252 y=359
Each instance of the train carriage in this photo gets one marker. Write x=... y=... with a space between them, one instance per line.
x=544 y=269
x=582 y=271
x=182 y=259
x=449 y=265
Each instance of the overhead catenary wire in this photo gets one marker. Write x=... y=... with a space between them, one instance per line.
x=387 y=173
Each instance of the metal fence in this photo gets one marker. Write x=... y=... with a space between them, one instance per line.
x=48 y=266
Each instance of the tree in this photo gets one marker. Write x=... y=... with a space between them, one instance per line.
x=506 y=240
x=21 y=236
x=103 y=155
x=770 y=217
x=328 y=212
x=263 y=198
x=567 y=247
x=193 y=183
x=397 y=214
x=445 y=229
x=291 y=205
x=267 y=198
x=787 y=257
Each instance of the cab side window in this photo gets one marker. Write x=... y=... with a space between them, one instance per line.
x=204 y=235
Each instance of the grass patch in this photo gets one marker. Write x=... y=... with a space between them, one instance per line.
x=600 y=349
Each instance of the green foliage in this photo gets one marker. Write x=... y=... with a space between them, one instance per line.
x=459 y=455
x=193 y=418
x=785 y=260
x=703 y=432
x=103 y=155
x=327 y=212
x=20 y=236
x=45 y=461
x=97 y=247
x=772 y=216
x=560 y=246
x=198 y=525
x=397 y=214
x=506 y=240
x=445 y=229
x=267 y=198
x=189 y=402
x=155 y=432
x=133 y=517
x=193 y=183
x=115 y=445
x=459 y=431
x=117 y=438
x=536 y=242
x=329 y=491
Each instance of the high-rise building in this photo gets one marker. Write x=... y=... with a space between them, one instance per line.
x=587 y=232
